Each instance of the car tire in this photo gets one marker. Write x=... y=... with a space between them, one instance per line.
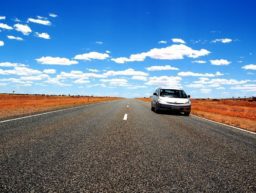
x=186 y=113
x=156 y=109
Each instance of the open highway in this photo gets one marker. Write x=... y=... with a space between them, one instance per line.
x=122 y=146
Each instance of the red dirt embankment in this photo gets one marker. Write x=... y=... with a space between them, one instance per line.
x=239 y=113
x=12 y=105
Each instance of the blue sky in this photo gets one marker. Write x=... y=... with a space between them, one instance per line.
x=128 y=48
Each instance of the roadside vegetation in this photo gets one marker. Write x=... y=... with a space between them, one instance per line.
x=13 y=105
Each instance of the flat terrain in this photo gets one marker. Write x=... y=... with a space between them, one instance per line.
x=13 y=105
x=92 y=149
x=239 y=113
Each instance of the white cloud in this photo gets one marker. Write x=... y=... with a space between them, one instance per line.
x=92 y=70
x=10 y=64
x=99 y=42
x=178 y=40
x=127 y=72
x=81 y=81
x=173 y=52
x=160 y=68
x=49 y=71
x=35 y=78
x=199 y=61
x=5 y=26
x=1 y=43
x=205 y=90
x=115 y=81
x=245 y=87
x=15 y=38
x=199 y=74
x=165 y=81
x=2 y=17
x=162 y=42
x=43 y=35
x=55 y=61
x=91 y=56
x=39 y=21
x=220 y=62
x=23 y=28
x=20 y=71
x=222 y=40
x=142 y=78
x=217 y=82
x=53 y=15
x=75 y=74
x=249 y=67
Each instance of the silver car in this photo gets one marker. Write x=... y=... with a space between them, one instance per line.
x=171 y=99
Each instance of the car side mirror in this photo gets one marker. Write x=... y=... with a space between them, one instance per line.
x=154 y=94
x=188 y=96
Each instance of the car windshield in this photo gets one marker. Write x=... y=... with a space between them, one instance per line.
x=172 y=93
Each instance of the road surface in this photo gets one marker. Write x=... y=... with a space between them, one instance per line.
x=122 y=146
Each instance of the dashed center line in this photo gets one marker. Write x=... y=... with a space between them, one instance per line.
x=125 y=117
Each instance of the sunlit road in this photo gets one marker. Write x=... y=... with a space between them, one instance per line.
x=122 y=146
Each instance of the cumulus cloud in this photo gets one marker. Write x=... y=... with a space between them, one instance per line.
x=20 y=71
x=5 y=26
x=49 y=71
x=223 y=40
x=217 y=82
x=2 y=17
x=127 y=72
x=76 y=74
x=23 y=28
x=220 y=62
x=165 y=81
x=245 y=87
x=92 y=56
x=1 y=43
x=199 y=61
x=249 y=67
x=39 y=20
x=188 y=73
x=173 y=52
x=115 y=82
x=55 y=61
x=10 y=64
x=53 y=15
x=142 y=78
x=81 y=81
x=43 y=35
x=178 y=40
x=161 y=68
x=162 y=42
x=15 y=38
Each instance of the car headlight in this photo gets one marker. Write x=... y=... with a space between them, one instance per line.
x=188 y=102
x=160 y=101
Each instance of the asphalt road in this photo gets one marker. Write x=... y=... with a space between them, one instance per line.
x=92 y=149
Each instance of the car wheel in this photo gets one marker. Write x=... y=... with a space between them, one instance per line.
x=156 y=109
x=186 y=113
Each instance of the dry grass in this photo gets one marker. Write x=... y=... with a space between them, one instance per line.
x=240 y=113
x=13 y=105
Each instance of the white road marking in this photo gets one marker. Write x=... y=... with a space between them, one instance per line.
x=226 y=125
x=39 y=114
x=125 y=117
x=127 y=106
